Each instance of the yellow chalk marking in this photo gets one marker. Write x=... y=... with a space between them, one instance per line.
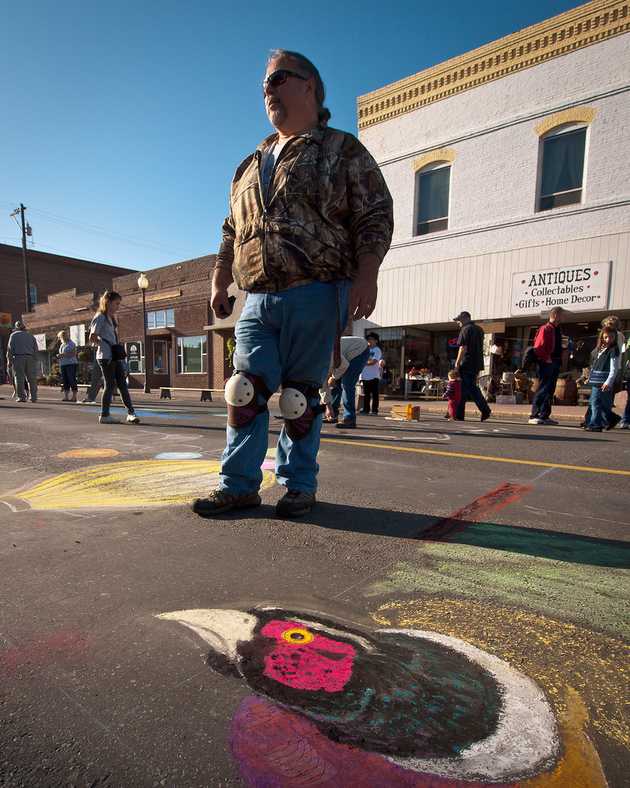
x=88 y=453
x=485 y=457
x=580 y=763
x=138 y=483
x=555 y=654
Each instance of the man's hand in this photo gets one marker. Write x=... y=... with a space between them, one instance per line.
x=220 y=300
x=605 y=387
x=332 y=380
x=364 y=288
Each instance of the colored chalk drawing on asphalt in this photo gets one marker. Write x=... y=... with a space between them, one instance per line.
x=178 y=455
x=269 y=463
x=133 y=484
x=417 y=707
x=155 y=414
x=558 y=655
x=87 y=454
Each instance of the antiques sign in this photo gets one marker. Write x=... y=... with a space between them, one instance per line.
x=578 y=288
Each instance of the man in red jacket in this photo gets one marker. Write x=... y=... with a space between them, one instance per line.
x=548 y=349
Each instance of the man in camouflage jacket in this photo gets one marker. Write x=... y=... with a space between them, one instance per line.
x=310 y=222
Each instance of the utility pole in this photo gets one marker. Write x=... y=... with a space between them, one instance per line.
x=27 y=281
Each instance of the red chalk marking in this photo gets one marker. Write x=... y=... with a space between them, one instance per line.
x=474 y=512
x=310 y=662
x=53 y=647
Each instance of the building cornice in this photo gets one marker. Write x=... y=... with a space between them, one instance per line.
x=575 y=29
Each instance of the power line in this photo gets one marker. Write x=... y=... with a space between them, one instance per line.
x=103 y=231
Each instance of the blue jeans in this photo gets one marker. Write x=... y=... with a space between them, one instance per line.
x=69 y=377
x=543 y=399
x=626 y=411
x=114 y=375
x=471 y=391
x=344 y=391
x=600 y=405
x=283 y=337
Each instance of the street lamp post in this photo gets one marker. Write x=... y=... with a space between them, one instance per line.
x=143 y=283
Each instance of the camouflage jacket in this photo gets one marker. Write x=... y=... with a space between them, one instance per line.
x=326 y=205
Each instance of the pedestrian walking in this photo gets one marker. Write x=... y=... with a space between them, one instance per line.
x=548 y=351
x=110 y=356
x=95 y=385
x=22 y=354
x=309 y=224
x=371 y=376
x=604 y=367
x=68 y=363
x=340 y=387
x=469 y=363
x=453 y=394
x=625 y=382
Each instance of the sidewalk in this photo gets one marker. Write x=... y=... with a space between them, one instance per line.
x=563 y=413
x=569 y=413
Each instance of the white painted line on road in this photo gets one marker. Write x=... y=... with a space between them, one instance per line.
x=483 y=457
x=439 y=438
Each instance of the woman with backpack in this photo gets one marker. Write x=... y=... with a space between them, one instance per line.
x=110 y=356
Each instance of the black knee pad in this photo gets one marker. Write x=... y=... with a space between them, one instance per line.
x=242 y=392
x=298 y=414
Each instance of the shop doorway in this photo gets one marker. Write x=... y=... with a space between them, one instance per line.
x=161 y=361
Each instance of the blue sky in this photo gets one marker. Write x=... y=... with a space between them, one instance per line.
x=122 y=122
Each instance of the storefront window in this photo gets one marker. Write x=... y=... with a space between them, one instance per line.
x=163 y=318
x=191 y=355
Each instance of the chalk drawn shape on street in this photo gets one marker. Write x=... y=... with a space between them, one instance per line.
x=179 y=455
x=88 y=454
x=125 y=485
x=429 y=703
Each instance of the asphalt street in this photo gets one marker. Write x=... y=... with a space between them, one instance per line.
x=504 y=539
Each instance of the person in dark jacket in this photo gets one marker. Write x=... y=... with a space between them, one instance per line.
x=469 y=363
x=548 y=350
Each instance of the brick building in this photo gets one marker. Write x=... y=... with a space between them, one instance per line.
x=68 y=310
x=50 y=275
x=186 y=345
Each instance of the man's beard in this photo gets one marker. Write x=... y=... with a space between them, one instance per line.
x=277 y=114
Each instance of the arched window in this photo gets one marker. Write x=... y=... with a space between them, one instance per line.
x=562 y=171
x=432 y=197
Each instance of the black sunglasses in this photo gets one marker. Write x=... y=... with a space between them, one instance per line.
x=279 y=77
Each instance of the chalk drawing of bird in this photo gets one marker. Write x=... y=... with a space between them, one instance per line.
x=336 y=705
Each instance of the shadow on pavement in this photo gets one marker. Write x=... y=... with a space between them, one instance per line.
x=540 y=543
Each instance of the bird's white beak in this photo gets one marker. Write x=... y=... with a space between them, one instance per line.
x=222 y=630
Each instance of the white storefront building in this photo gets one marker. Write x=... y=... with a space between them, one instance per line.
x=510 y=172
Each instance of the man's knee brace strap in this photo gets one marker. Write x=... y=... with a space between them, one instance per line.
x=298 y=414
x=241 y=396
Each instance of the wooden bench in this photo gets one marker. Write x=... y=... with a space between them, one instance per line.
x=206 y=394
